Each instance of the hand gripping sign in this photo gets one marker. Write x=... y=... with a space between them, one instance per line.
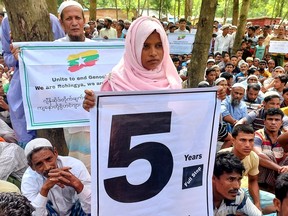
x=153 y=152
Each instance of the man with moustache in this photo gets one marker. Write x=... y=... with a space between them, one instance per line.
x=108 y=32
x=55 y=185
x=233 y=108
x=72 y=20
x=228 y=197
x=273 y=160
x=243 y=143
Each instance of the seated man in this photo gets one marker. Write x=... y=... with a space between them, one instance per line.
x=12 y=161
x=228 y=198
x=270 y=152
x=256 y=117
x=243 y=142
x=54 y=184
x=252 y=98
x=233 y=108
x=281 y=193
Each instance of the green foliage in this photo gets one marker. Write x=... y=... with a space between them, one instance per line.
x=258 y=8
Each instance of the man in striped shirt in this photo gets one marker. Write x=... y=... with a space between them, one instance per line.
x=273 y=161
x=228 y=198
x=256 y=117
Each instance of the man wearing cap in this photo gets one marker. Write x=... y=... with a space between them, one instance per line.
x=72 y=20
x=210 y=63
x=269 y=82
x=127 y=24
x=108 y=32
x=93 y=28
x=223 y=42
x=55 y=185
x=233 y=108
x=256 y=117
x=14 y=94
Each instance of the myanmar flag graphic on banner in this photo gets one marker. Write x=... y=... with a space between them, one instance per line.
x=81 y=60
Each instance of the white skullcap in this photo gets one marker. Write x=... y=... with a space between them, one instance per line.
x=220 y=79
x=238 y=85
x=211 y=60
x=250 y=76
x=225 y=26
x=36 y=143
x=270 y=93
x=67 y=4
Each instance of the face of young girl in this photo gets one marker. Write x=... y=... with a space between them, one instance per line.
x=152 y=52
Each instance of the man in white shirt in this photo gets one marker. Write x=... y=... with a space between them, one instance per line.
x=224 y=41
x=54 y=184
x=108 y=32
x=182 y=27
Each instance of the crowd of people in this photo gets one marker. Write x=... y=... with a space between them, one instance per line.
x=251 y=167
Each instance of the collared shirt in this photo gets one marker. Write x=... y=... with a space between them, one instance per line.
x=12 y=161
x=256 y=118
x=251 y=164
x=242 y=204
x=263 y=141
x=236 y=112
x=180 y=31
x=61 y=198
x=110 y=33
x=223 y=43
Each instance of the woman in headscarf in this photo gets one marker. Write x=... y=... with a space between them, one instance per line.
x=146 y=64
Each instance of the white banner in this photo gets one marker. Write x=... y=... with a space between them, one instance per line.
x=278 y=46
x=153 y=152
x=181 y=43
x=54 y=76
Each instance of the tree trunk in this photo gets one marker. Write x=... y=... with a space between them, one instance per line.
x=32 y=23
x=92 y=10
x=235 y=14
x=242 y=23
x=178 y=15
x=226 y=8
x=29 y=25
x=116 y=6
x=202 y=43
x=52 y=7
x=160 y=9
x=138 y=8
x=188 y=9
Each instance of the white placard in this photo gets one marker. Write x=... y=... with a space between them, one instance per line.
x=153 y=152
x=54 y=76
x=181 y=43
x=278 y=46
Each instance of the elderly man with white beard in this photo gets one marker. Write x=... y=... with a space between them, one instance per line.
x=233 y=108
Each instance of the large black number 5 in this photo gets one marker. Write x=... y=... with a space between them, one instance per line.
x=120 y=155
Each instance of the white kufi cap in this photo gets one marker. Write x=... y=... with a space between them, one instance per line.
x=67 y=4
x=36 y=143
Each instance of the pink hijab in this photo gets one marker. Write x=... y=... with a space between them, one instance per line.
x=130 y=75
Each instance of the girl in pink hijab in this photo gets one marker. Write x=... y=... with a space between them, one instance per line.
x=146 y=64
